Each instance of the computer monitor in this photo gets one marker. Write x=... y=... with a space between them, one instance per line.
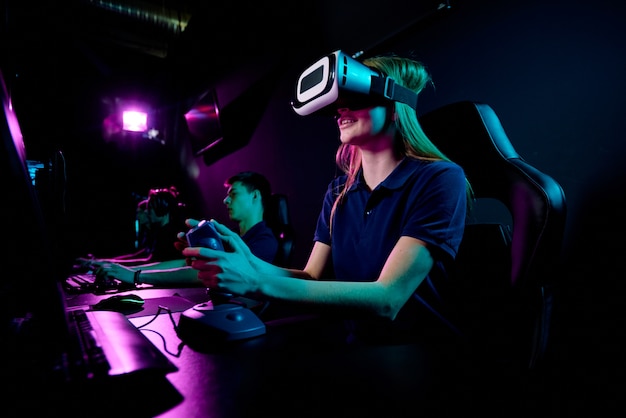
x=31 y=304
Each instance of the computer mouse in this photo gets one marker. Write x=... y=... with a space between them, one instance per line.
x=120 y=303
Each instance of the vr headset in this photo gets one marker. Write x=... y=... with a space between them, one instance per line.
x=338 y=80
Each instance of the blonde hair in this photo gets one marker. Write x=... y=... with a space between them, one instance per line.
x=410 y=139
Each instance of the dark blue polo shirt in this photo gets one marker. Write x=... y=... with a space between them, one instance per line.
x=261 y=241
x=420 y=199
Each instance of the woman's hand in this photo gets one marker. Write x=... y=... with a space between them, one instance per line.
x=232 y=270
x=181 y=243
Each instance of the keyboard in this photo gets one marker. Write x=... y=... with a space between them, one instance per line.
x=106 y=343
x=81 y=281
x=90 y=283
x=88 y=359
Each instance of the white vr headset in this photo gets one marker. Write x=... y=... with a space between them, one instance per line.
x=339 y=76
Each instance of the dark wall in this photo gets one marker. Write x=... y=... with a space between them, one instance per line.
x=553 y=72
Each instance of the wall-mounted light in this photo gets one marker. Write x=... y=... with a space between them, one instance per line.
x=134 y=121
x=131 y=118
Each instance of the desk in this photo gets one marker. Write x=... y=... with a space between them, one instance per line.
x=302 y=369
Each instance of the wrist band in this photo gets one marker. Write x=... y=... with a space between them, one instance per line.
x=136 y=280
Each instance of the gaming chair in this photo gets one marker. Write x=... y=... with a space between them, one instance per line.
x=507 y=266
x=277 y=217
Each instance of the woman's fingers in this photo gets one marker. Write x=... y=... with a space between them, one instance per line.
x=190 y=222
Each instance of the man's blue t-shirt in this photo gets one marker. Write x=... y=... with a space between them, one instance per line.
x=261 y=241
x=425 y=200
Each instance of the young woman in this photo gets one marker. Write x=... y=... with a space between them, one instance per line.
x=390 y=226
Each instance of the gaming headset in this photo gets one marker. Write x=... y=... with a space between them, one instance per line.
x=162 y=201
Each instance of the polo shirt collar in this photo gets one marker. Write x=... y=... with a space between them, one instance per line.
x=396 y=179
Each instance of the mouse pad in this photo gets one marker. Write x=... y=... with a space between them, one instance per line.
x=151 y=305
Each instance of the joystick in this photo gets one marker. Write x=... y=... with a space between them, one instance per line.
x=208 y=323
x=204 y=235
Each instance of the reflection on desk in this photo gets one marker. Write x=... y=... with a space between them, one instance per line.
x=294 y=370
x=305 y=368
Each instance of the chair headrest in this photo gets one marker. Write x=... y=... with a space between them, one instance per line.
x=468 y=132
x=471 y=135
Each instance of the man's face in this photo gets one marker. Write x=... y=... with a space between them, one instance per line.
x=239 y=201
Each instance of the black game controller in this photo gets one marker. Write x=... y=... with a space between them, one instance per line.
x=204 y=235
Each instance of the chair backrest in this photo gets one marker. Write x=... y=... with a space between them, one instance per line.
x=508 y=271
x=278 y=218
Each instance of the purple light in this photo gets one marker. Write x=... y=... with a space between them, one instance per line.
x=134 y=121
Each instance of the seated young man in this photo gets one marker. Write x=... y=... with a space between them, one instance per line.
x=248 y=196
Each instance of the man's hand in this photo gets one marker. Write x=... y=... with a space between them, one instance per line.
x=116 y=271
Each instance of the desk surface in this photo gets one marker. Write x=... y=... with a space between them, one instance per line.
x=301 y=368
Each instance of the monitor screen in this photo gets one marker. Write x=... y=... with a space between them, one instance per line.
x=30 y=290
x=203 y=123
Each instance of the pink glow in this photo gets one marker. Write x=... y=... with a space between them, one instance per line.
x=134 y=121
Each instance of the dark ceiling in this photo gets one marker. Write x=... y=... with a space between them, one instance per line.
x=59 y=52
x=126 y=36
x=62 y=52
x=109 y=38
x=54 y=46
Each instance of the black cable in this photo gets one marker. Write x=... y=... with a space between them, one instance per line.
x=169 y=311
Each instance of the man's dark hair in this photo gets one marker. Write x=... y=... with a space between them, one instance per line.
x=163 y=201
x=253 y=181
